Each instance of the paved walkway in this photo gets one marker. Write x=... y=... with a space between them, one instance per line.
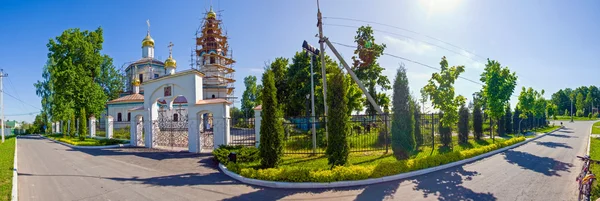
x=541 y=170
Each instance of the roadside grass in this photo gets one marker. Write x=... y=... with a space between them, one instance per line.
x=371 y=158
x=574 y=118
x=595 y=168
x=6 y=167
x=86 y=142
x=596 y=128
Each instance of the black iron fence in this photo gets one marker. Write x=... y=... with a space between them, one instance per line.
x=364 y=133
x=241 y=132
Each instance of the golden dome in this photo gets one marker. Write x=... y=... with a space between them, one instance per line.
x=136 y=82
x=170 y=62
x=211 y=13
x=148 y=41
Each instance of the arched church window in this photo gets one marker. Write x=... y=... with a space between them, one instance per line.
x=128 y=116
x=141 y=77
x=212 y=60
x=119 y=117
x=175 y=117
x=213 y=96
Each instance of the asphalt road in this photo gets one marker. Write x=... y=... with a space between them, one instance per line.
x=541 y=170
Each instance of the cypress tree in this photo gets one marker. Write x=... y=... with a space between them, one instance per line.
x=516 y=120
x=445 y=133
x=82 y=125
x=417 y=116
x=500 y=126
x=337 y=148
x=271 y=129
x=463 y=124
x=403 y=140
x=508 y=120
x=477 y=121
x=72 y=126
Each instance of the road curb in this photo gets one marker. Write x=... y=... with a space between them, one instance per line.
x=88 y=147
x=15 y=180
x=338 y=184
x=589 y=139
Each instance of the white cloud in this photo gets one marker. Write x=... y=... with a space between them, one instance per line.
x=408 y=45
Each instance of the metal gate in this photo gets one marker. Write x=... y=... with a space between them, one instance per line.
x=171 y=132
x=206 y=133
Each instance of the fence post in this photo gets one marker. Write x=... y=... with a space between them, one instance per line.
x=257 y=120
x=109 y=127
x=92 y=128
x=385 y=119
x=432 y=133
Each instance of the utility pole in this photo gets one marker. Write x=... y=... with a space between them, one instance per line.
x=2 y=75
x=323 y=72
x=571 y=110
x=312 y=52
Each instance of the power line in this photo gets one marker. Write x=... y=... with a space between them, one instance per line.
x=20 y=100
x=391 y=33
x=419 y=63
x=22 y=114
x=404 y=29
x=13 y=88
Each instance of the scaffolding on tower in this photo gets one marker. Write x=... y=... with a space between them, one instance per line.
x=213 y=57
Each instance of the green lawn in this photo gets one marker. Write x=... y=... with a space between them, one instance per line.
x=575 y=118
x=86 y=142
x=6 y=167
x=596 y=128
x=594 y=154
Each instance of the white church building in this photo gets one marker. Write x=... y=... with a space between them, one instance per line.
x=166 y=108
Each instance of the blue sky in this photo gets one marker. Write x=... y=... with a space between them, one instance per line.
x=550 y=44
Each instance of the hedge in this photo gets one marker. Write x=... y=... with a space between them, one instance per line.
x=355 y=172
x=243 y=153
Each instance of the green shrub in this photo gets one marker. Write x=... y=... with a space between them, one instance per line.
x=356 y=172
x=337 y=148
x=463 y=124
x=82 y=125
x=243 y=154
x=417 y=133
x=579 y=113
x=445 y=134
x=271 y=146
x=403 y=140
x=477 y=122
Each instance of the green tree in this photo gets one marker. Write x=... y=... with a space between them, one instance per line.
x=416 y=110
x=271 y=136
x=44 y=90
x=477 y=120
x=440 y=90
x=355 y=96
x=508 y=119
x=366 y=67
x=526 y=104
x=110 y=80
x=463 y=124
x=499 y=85
x=337 y=149
x=539 y=110
x=76 y=72
x=589 y=102
x=249 y=96
x=403 y=139
x=580 y=102
x=280 y=69
x=72 y=126
x=82 y=124
x=516 y=120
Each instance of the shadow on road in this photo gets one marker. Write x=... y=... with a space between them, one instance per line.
x=561 y=136
x=545 y=165
x=155 y=154
x=554 y=144
x=447 y=185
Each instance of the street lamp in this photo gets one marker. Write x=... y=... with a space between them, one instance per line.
x=312 y=52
